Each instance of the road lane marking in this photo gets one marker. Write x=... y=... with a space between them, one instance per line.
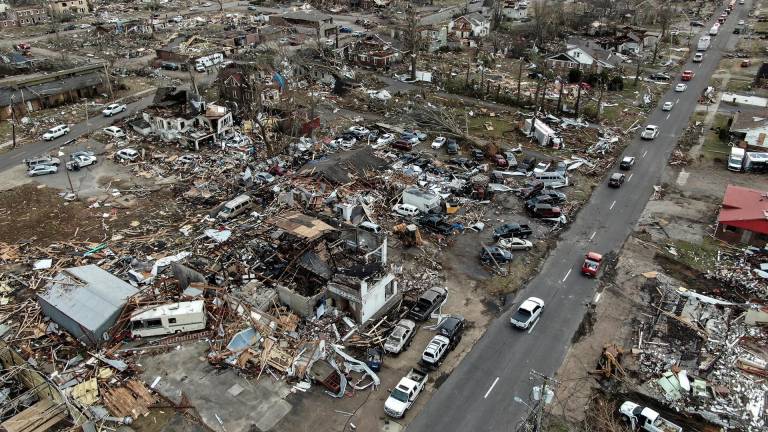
x=668 y=115
x=630 y=177
x=567 y=274
x=645 y=153
x=592 y=236
x=597 y=298
x=678 y=101
x=612 y=204
x=491 y=388
x=534 y=324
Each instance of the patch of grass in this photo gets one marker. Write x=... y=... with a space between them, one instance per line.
x=737 y=85
x=699 y=256
x=5 y=132
x=500 y=126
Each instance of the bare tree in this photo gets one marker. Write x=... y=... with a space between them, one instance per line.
x=412 y=35
x=665 y=17
x=221 y=5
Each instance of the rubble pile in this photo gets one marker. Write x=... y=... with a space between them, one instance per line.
x=705 y=356
x=745 y=270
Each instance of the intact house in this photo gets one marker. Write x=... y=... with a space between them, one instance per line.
x=85 y=301
x=468 y=29
x=176 y=115
x=514 y=10
x=743 y=216
x=33 y=93
x=750 y=125
x=584 y=55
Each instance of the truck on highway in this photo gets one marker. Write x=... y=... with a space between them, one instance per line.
x=644 y=418
x=715 y=28
x=405 y=393
x=736 y=160
x=704 y=42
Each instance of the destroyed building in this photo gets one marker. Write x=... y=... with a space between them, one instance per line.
x=86 y=301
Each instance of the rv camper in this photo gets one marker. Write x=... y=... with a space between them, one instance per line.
x=169 y=319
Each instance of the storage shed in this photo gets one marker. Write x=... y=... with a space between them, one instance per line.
x=86 y=301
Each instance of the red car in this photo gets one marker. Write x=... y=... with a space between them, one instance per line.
x=402 y=145
x=591 y=266
x=500 y=160
x=687 y=75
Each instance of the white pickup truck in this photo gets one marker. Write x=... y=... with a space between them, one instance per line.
x=405 y=393
x=646 y=419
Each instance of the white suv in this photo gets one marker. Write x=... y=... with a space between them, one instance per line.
x=56 y=132
x=114 y=132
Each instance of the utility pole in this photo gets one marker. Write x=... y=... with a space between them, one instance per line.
x=519 y=79
x=533 y=421
x=578 y=99
x=109 y=81
x=13 y=121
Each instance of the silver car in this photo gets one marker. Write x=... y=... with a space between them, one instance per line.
x=39 y=170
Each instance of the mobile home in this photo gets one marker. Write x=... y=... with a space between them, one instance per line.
x=169 y=319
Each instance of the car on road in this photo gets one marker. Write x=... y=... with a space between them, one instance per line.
x=591 y=266
x=81 y=161
x=616 y=180
x=113 y=109
x=407 y=210
x=114 y=132
x=438 y=142
x=452 y=327
x=56 y=132
x=427 y=303
x=435 y=351
x=514 y=243
x=741 y=22
x=681 y=87
x=451 y=147
x=495 y=254
x=658 y=76
x=698 y=57
x=401 y=336
x=687 y=75
x=42 y=160
x=510 y=230
x=627 y=163
x=650 y=132
x=253 y=8
x=39 y=170
x=527 y=313
x=667 y=106
x=127 y=154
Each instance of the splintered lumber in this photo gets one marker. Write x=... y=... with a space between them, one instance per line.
x=40 y=417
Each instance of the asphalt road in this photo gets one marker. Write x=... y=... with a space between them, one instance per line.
x=16 y=156
x=479 y=394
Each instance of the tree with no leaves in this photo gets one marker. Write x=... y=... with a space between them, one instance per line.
x=412 y=35
x=221 y=5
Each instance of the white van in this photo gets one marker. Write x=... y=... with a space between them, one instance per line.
x=553 y=179
x=169 y=319
x=235 y=207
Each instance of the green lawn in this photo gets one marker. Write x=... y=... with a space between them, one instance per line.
x=738 y=85
x=699 y=256
x=500 y=126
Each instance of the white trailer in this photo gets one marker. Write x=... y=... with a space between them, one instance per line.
x=544 y=134
x=704 y=43
x=421 y=199
x=202 y=63
x=169 y=318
